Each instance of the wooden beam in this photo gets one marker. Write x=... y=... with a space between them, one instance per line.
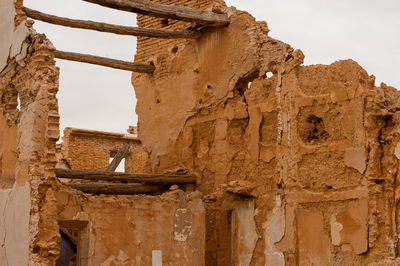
x=149 y=8
x=118 y=158
x=104 y=27
x=103 y=61
x=124 y=177
x=118 y=189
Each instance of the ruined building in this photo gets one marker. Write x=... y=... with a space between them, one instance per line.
x=243 y=157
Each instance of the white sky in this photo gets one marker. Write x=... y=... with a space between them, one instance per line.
x=94 y=97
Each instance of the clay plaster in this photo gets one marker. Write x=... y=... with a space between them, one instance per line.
x=12 y=38
x=15 y=205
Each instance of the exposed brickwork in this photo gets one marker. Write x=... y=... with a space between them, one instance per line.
x=91 y=150
x=156 y=50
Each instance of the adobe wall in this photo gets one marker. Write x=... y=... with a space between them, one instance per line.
x=315 y=147
x=29 y=129
x=124 y=230
x=34 y=204
x=92 y=150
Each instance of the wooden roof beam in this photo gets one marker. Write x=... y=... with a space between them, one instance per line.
x=125 y=177
x=104 y=27
x=103 y=61
x=149 y=8
x=118 y=189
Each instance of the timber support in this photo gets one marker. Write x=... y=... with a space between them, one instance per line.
x=149 y=8
x=103 y=61
x=124 y=177
x=104 y=27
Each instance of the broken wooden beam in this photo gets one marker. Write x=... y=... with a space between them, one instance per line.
x=118 y=158
x=118 y=189
x=103 y=61
x=153 y=9
x=166 y=178
x=104 y=27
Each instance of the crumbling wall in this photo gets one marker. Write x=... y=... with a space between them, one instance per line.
x=149 y=48
x=125 y=230
x=29 y=130
x=92 y=150
x=316 y=146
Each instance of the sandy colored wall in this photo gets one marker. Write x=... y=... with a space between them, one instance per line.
x=316 y=145
x=149 y=48
x=8 y=153
x=13 y=33
x=29 y=129
x=91 y=150
x=124 y=230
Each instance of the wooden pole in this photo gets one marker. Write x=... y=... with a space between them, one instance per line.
x=149 y=8
x=103 y=61
x=124 y=177
x=118 y=189
x=118 y=158
x=104 y=27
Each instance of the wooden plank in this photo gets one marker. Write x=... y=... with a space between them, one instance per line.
x=118 y=158
x=153 y=9
x=104 y=27
x=124 y=177
x=118 y=189
x=103 y=61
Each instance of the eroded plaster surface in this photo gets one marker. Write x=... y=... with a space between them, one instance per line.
x=11 y=37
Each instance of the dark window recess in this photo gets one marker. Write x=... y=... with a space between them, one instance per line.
x=68 y=250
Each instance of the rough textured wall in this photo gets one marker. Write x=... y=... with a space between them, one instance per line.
x=8 y=153
x=13 y=32
x=29 y=130
x=92 y=150
x=124 y=230
x=148 y=49
x=14 y=197
x=317 y=146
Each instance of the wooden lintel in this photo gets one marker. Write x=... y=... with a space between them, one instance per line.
x=118 y=158
x=104 y=27
x=149 y=8
x=166 y=178
x=103 y=61
x=118 y=189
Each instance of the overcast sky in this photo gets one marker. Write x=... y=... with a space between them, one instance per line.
x=95 y=97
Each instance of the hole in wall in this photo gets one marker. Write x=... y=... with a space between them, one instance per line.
x=312 y=130
x=289 y=57
x=174 y=50
x=269 y=75
x=244 y=83
x=164 y=22
x=19 y=103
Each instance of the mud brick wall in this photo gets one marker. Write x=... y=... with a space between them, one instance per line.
x=92 y=150
x=125 y=230
x=311 y=151
x=29 y=130
x=156 y=50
